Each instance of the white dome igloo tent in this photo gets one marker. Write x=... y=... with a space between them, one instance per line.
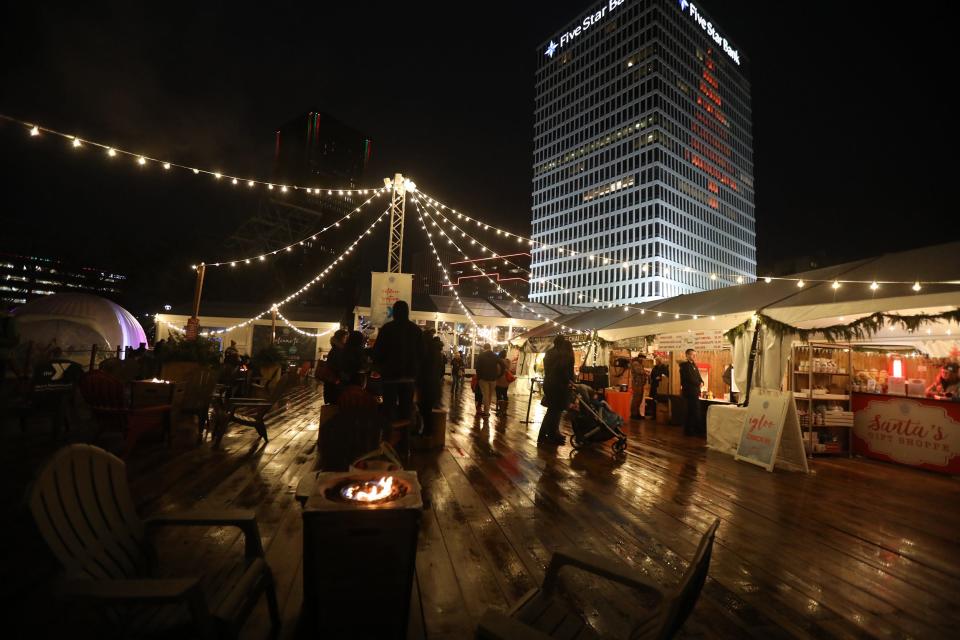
x=77 y=321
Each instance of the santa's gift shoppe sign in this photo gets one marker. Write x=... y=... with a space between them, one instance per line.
x=913 y=431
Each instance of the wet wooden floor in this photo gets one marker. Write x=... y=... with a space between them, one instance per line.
x=856 y=549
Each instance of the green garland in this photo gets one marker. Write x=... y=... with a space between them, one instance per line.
x=856 y=330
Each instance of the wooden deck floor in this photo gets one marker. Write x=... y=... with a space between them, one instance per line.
x=856 y=549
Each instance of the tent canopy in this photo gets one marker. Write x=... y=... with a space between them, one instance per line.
x=76 y=319
x=817 y=304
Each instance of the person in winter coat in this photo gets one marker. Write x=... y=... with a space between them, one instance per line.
x=489 y=369
x=557 y=376
x=503 y=382
x=397 y=355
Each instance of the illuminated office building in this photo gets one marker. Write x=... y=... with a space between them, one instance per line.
x=643 y=157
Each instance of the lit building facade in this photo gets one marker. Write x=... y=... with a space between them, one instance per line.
x=643 y=157
x=23 y=278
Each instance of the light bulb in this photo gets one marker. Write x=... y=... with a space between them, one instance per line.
x=166 y=165
x=874 y=286
x=196 y=171
x=141 y=160
x=76 y=142
x=768 y=280
x=800 y=283
x=234 y=181
x=35 y=131
x=916 y=286
x=111 y=152
x=836 y=284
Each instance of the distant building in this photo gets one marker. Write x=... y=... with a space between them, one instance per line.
x=317 y=150
x=643 y=156
x=24 y=278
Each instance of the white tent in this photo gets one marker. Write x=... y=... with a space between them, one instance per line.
x=78 y=320
x=815 y=305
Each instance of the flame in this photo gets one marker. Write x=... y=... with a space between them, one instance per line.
x=369 y=491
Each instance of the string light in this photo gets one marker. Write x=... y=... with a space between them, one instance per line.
x=874 y=286
x=301 y=331
x=35 y=130
x=491 y=280
x=313 y=236
x=916 y=286
x=836 y=284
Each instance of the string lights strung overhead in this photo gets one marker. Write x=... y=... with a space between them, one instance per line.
x=263 y=256
x=317 y=278
x=500 y=289
x=35 y=131
x=301 y=331
x=650 y=266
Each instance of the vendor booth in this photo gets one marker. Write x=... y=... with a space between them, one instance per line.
x=824 y=335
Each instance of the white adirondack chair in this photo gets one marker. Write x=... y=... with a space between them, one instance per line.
x=82 y=506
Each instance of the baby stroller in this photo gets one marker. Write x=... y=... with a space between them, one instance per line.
x=594 y=421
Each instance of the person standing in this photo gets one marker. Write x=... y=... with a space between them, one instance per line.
x=397 y=356
x=690 y=384
x=660 y=371
x=489 y=369
x=638 y=384
x=329 y=371
x=503 y=382
x=557 y=375
x=456 y=372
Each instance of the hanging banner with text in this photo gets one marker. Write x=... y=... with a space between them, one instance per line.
x=770 y=434
x=913 y=431
x=385 y=289
x=707 y=340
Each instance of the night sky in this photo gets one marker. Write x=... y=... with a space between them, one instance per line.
x=850 y=104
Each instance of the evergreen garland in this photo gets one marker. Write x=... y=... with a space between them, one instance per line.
x=856 y=330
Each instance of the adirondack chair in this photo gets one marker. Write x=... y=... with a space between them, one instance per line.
x=252 y=411
x=105 y=396
x=83 y=509
x=538 y=616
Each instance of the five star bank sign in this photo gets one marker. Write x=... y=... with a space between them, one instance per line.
x=613 y=5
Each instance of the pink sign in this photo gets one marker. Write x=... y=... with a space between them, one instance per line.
x=913 y=431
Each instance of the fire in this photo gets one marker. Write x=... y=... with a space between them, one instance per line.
x=370 y=490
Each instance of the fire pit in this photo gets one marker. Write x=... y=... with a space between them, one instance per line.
x=359 y=546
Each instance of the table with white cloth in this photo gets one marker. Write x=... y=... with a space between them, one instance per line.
x=723 y=427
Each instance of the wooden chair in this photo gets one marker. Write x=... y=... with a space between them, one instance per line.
x=83 y=509
x=539 y=616
x=252 y=411
x=110 y=407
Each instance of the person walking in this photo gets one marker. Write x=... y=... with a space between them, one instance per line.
x=397 y=354
x=690 y=384
x=557 y=375
x=489 y=368
x=638 y=384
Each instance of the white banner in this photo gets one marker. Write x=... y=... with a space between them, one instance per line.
x=706 y=340
x=385 y=289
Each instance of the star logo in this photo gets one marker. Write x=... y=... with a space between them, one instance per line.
x=551 y=49
x=683 y=5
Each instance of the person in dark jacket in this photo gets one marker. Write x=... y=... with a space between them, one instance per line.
x=659 y=372
x=352 y=361
x=397 y=355
x=690 y=384
x=428 y=382
x=489 y=369
x=557 y=375
x=329 y=372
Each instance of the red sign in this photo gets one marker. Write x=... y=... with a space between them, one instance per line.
x=912 y=431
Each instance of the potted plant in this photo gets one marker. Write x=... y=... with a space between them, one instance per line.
x=181 y=357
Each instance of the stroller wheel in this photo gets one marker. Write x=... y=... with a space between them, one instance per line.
x=620 y=446
x=576 y=442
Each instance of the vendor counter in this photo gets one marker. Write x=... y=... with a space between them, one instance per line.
x=917 y=432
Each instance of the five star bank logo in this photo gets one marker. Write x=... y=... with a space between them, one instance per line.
x=683 y=5
x=551 y=48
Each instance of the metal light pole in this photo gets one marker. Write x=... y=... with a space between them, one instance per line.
x=398 y=201
x=193 y=324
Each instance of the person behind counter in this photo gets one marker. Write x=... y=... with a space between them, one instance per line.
x=690 y=384
x=948 y=384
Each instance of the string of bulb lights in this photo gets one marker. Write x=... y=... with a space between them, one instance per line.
x=301 y=331
x=317 y=278
x=650 y=266
x=289 y=248
x=499 y=288
x=76 y=142
x=446 y=275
